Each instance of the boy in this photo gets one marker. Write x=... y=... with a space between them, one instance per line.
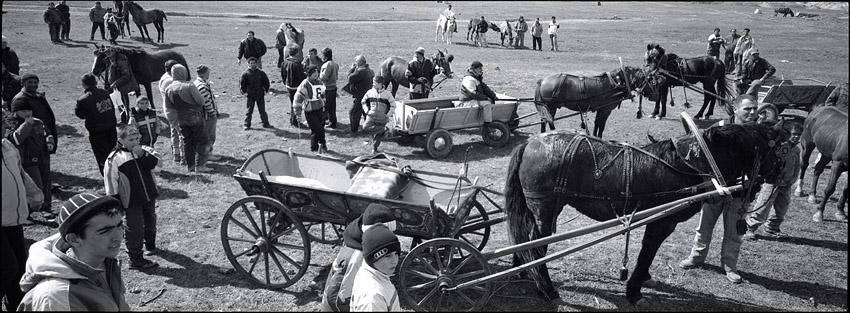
x=373 y=290
x=382 y=105
x=310 y=98
x=781 y=198
x=145 y=121
x=34 y=141
x=312 y=58
x=112 y=24
x=254 y=84
x=337 y=295
x=128 y=177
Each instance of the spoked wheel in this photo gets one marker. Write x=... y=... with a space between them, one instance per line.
x=476 y=237
x=265 y=241
x=496 y=134
x=431 y=272
x=768 y=111
x=324 y=232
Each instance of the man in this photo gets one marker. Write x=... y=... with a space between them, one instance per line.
x=96 y=107
x=10 y=58
x=420 y=72
x=729 y=57
x=65 y=12
x=553 y=34
x=536 y=35
x=838 y=97
x=359 y=82
x=11 y=86
x=481 y=32
x=96 y=16
x=53 y=19
x=77 y=269
x=171 y=115
x=474 y=92
x=254 y=84
x=188 y=102
x=715 y=41
x=292 y=73
x=732 y=211
x=40 y=107
x=210 y=108
x=753 y=73
x=449 y=13
x=329 y=75
x=521 y=27
x=745 y=43
x=251 y=47
x=19 y=192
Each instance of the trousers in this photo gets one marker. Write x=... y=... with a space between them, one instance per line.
x=140 y=227
x=779 y=201
x=731 y=245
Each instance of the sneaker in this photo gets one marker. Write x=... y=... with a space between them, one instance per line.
x=734 y=277
x=658 y=118
x=143 y=264
x=246 y=127
x=203 y=169
x=323 y=149
x=151 y=252
x=268 y=126
x=653 y=116
x=776 y=234
x=689 y=264
x=750 y=235
x=213 y=157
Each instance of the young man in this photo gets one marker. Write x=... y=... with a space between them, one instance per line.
x=312 y=58
x=65 y=12
x=254 y=84
x=715 y=41
x=292 y=73
x=521 y=27
x=251 y=47
x=10 y=58
x=753 y=73
x=359 y=81
x=379 y=104
x=420 y=72
x=128 y=178
x=96 y=107
x=474 y=92
x=729 y=56
x=96 y=17
x=53 y=19
x=373 y=291
x=210 y=108
x=189 y=106
x=553 y=34
x=77 y=269
x=171 y=114
x=328 y=75
x=745 y=43
x=536 y=35
x=280 y=43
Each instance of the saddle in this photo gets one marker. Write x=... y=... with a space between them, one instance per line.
x=566 y=88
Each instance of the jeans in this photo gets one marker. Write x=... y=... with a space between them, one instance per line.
x=261 y=106
x=486 y=108
x=778 y=201
x=54 y=31
x=176 y=139
x=355 y=114
x=13 y=259
x=317 y=129
x=194 y=144
x=209 y=127
x=729 y=61
x=102 y=144
x=96 y=25
x=293 y=118
x=536 y=43
x=520 y=40
x=40 y=173
x=66 y=29
x=139 y=227
x=280 y=57
x=731 y=245
x=330 y=106
x=553 y=40
x=376 y=128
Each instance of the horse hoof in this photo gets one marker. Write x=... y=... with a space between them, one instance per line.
x=799 y=193
x=812 y=199
x=642 y=303
x=818 y=217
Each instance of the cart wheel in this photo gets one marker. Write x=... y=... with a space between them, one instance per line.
x=430 y=270
x=478 y=237
x=265 y=241
x=324 y=232
x=438 y=143
x=768 y=111
x=496 y=134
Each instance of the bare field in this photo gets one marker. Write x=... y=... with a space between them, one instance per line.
x=806 y=273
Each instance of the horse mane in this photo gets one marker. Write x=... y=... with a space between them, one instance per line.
x=127 y=51
x=133 y=4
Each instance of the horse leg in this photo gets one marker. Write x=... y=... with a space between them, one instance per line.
x=160 y=32
x=547 y=211
x=552 y=110
x=709 y=99
x=653 y=237
x=150 y=94
x=147 y=33
x=808 y=148
x=838 y=167
x=141 y=32
x=819 y=167
x=599 y=122
x=395 y=87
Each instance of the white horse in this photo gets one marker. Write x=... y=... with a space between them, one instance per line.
x=444 y=26
x=507 y=32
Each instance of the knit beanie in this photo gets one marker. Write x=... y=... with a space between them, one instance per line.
x=378 y=242
x=375 y=213
x=476 y=64
x=75 y=208
x=312 y=68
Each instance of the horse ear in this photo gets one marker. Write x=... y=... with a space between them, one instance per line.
x=450 y=58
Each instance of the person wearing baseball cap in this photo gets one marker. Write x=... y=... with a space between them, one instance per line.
x=753 y=73
x=373 y=290
x=77 y=269
x=420 y=73
x=338 y=288
x=474 y=92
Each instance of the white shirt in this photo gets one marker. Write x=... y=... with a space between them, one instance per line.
x=553 y=28
x=373 y=292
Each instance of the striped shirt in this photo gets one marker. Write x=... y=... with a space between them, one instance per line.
x=210 y=108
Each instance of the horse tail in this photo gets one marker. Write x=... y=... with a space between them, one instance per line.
x=163 y=15
x=520 y=221
x=724 y=89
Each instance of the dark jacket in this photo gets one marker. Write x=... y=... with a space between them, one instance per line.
x=255 y=48
x=120 y=74
x=40 y=110
x=254 y=83
x=146 y=122
x=11 y=86
x=360 y=81
x=482 y=91
x=482 y=26
x=129 y=178
x=292 y=73
x=416 y=70
x=31 y=140
x=52 y=16
x=96 y=107
x=64 y=11
x=758 y=69
x=10 y=61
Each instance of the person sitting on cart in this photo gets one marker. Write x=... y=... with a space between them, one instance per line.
x=338 y=288
x=379 y=104
x=474 y=92
x=753 y=74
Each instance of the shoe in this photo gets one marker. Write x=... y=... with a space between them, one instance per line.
x=707 y=117
x=818 y=217
x=151 y=252
x=374 y=150
x=658 y=118
x=143 y=264
x=303 y=125
x=182 y=162
x=653 y=116
x=246 y=127
x=91 y=39
x=689 y=264
x=734 y=277
x=750 y=235
x=776 y=234
x=203 y=169
x=698 y=117
x=268 y=126
x=323 y=149
x=47 y=215
x=213 y=157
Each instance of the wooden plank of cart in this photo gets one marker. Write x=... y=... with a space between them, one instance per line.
x=295 y=199
x=777 y=95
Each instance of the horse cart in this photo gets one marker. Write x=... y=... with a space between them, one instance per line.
x=435 y=117
x=295 y=200
x=779 y=94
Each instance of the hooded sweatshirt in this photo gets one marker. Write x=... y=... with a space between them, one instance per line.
x=54 y=281
x=184 y=97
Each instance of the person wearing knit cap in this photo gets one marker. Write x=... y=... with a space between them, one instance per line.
x=37 y=101
x=359 y=81
x=420 y=73
x=310 y=98
x=373 y=290
x=474 y=92
x=77 y=269
x=338 y=288
x=188 y=103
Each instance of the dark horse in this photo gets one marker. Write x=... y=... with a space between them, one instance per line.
x=604 y=181
x=147 y=67
x=393 y=69
x=784 y=11
x=707 y=70
x=124 y=21
x=144 y=17
x=599 y=93
x=826 y=129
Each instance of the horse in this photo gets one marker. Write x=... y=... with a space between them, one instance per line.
x=825 y=128
x=784 y=11
x=124 y=20
x=606 y=180
x=147 y=67
x=446 y=27
x=393 y=69
x=599 y=93
x=473 y=34
x=507 y=32
x=144 y=17
x=709 y=71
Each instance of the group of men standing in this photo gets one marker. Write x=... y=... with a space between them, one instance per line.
x=741 y=58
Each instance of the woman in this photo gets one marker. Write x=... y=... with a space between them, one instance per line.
x=310 y=98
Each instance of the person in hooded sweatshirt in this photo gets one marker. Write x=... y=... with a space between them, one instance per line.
x=77 y=269
x=188 y=102
x=338 y=288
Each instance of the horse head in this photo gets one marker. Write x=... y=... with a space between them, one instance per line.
x=495 y=27
x=643 y=81
x=100 y=60
x=443 y=60
x=652 y=57
x=753 y=149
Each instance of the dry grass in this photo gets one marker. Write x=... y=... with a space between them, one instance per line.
x=780 y=275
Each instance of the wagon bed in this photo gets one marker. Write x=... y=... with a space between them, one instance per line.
x=801 y=94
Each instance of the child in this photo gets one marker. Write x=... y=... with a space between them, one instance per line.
x=382 y=105
x=145 y=121
x=309 y=97
x=337 y=295
x=34 y=142
x=781 y=198
x=111 y=23
x=373 y=290
x=128 y=177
